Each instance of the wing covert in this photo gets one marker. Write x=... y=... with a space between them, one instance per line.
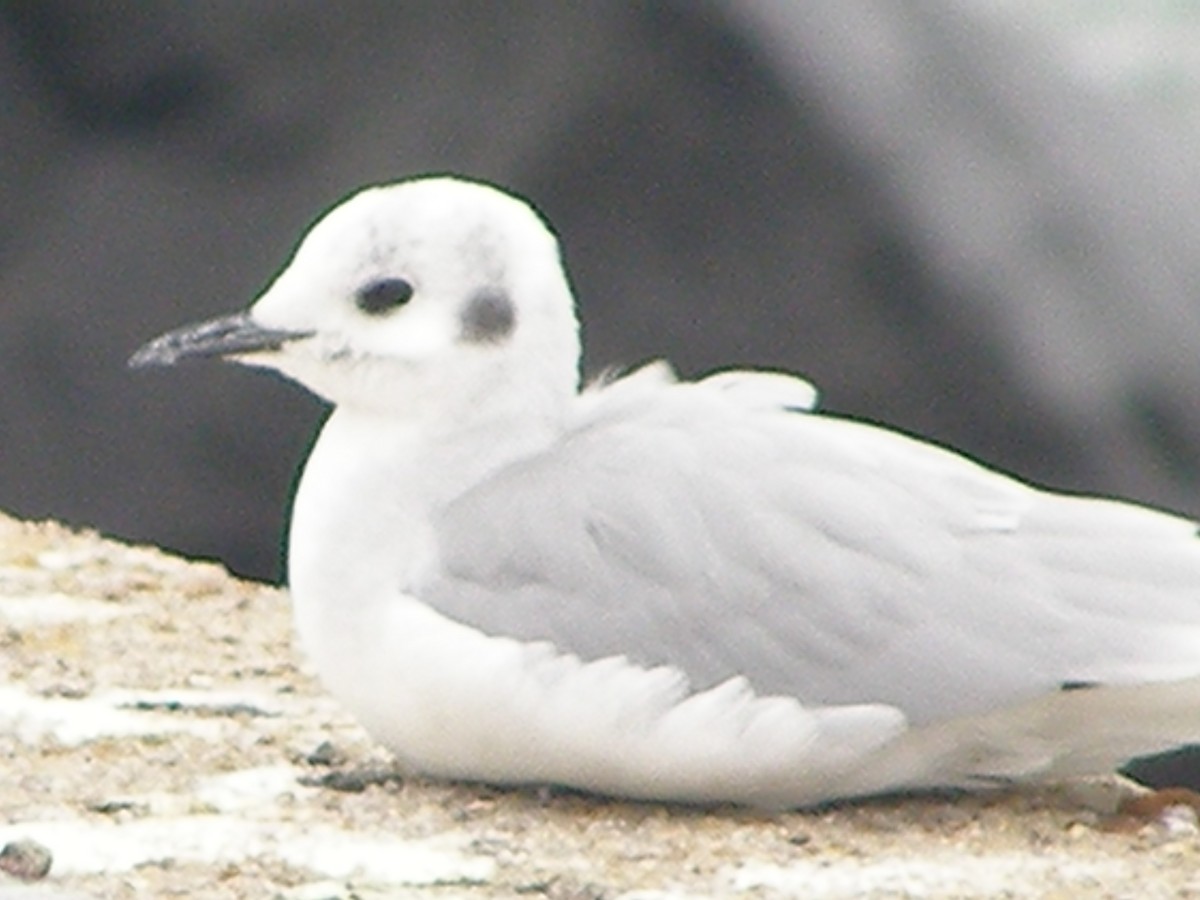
x=696 y=526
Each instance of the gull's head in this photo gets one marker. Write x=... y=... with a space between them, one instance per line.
x=431 y=293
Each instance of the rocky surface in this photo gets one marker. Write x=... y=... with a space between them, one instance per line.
x=159 y=737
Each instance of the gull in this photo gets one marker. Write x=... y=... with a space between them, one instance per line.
x=694 y=591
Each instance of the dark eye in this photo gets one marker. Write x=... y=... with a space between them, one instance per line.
x=383 y=296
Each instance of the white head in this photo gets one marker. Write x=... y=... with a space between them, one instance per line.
x=435 y=293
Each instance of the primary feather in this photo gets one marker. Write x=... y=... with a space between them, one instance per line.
x=699 y=591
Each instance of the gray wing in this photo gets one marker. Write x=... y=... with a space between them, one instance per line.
x=713 y=527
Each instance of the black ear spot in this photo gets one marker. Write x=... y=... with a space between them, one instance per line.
x=488 y=318
x=382 y=296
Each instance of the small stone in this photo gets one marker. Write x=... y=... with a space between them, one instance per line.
x=353 y=781
x=325 y=754
x=27 y=860
x=111 y=807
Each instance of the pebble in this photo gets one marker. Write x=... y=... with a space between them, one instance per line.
x=325 y=754
x=26 y=860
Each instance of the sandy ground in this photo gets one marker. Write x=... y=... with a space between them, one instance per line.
x=159 y=737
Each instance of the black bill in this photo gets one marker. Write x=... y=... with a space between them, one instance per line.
x=226 y=336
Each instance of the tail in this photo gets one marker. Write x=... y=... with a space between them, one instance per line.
x=1070 y=733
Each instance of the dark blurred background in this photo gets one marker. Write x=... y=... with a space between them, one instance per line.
x=972 y=221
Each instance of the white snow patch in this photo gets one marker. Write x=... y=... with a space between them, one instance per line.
x=247 y=789
x=43 y=610
x=81 y=847
x=72 y=722
x=931 y=876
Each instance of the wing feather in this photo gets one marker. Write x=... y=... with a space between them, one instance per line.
x=712 y=527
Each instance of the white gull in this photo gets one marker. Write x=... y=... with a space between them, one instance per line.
x=695 y=591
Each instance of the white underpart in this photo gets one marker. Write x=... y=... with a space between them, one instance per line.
x=513 y=712
x=454 y=702
x=696 y=592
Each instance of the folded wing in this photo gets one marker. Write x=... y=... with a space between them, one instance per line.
x=718 y=528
